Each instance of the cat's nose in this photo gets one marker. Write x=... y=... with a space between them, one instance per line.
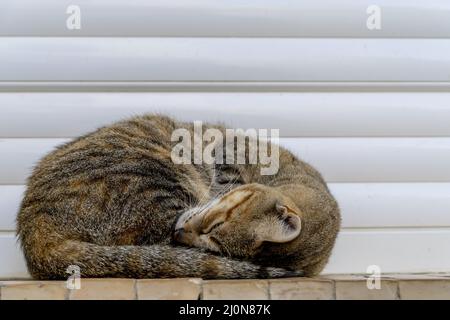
x=178 y=234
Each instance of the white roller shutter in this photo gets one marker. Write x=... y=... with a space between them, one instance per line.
x=369 y=108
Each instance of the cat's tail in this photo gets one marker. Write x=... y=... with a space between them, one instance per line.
x=53 y=261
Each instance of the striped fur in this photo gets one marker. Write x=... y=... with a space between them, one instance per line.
x=109 y=201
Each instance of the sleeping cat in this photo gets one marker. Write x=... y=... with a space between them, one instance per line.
x=113 y=203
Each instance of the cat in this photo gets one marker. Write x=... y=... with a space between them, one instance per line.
x=113 y=203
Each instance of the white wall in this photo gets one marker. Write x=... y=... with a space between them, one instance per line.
x=370 y=109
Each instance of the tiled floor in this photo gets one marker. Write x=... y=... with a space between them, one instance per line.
x=392 y=287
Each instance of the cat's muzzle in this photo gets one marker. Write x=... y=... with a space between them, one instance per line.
x=178 y=234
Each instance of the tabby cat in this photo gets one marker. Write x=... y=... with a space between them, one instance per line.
x=114 y=204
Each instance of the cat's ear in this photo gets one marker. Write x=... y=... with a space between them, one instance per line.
x=286 y=227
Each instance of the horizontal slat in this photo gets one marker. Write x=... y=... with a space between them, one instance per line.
x=10 y=198
x=297 y=114
x=402 y=251
x=222 y=86
x=363 y=205
x=12 y=263
x=19 y=156
x=394 y=251
x=366 y=205
x=376 y=159
x=338 y=159
x=223 y=59
x=226 y=18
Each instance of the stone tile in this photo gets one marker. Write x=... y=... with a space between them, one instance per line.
x=105 y=289
x=440 y=275
x=357 y=290
x=235 y=290
x=342 y=277
x=437 y=289
x=421 y=276
x=4 y=283
x=34 y=290
x=412 y=286
x=301 y=289
x=169 y=289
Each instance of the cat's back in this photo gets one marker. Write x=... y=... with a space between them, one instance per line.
x=108 y=178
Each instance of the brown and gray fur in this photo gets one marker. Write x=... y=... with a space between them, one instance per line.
x=111 y=201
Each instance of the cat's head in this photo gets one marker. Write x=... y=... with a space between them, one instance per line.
x=243 y=223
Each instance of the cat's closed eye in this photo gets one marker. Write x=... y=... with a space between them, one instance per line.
x=212 y=227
